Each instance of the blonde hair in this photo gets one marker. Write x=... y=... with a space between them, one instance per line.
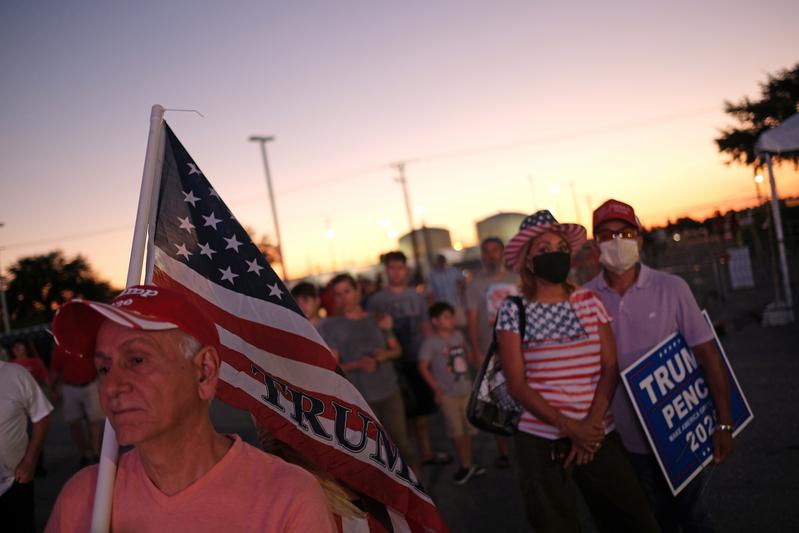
x=527 y=280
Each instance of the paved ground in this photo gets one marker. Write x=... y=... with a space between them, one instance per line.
x=758 y=489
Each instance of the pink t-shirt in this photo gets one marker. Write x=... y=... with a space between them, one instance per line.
x=248 y=490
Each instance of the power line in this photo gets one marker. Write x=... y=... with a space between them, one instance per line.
x=71 y=236
x=373 y=169
x=476 y=150
x=654 y=121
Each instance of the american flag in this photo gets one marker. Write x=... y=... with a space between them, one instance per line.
x=274 y=363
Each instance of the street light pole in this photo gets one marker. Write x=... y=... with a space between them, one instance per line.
x=263 y=140
x=414 y=242
x=758 y=181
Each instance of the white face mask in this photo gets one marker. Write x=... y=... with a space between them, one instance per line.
x=618 y=255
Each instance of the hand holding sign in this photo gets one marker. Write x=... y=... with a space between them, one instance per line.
x=669 y=391
x=722 y=445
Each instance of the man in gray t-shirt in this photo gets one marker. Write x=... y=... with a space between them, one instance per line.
x=408 y=310
x=366 y=349
x=354 y=339
x=485 y=294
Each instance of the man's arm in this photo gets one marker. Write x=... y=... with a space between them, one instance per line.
x=392 y=349
x=363 y=364
x=695 y=329
x=719 y=386
x=27 y=466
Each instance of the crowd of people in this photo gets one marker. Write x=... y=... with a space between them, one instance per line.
x=411 y=351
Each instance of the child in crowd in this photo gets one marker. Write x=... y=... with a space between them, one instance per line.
x=307 y=298
x=443 y=365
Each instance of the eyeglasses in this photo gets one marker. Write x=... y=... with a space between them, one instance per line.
x=627 y=233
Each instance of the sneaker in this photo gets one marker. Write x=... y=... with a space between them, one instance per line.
x=478 y=470
x=438 y=459
x=463 y=475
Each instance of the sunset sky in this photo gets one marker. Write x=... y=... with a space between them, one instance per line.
x=495 y=106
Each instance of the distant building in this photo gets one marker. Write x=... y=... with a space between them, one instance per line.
x=502 y=225
x=430 y=242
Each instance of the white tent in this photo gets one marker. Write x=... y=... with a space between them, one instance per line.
x=783 y=138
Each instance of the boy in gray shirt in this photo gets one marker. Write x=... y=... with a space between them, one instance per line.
x=443 y=363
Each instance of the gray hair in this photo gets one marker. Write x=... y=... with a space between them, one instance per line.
x=189 y=345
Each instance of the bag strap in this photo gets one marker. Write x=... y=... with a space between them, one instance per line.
x=522 y=319
x=522 y=316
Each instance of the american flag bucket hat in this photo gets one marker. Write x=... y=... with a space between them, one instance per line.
x=541 y=222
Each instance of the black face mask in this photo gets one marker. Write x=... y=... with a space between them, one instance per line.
x=552 y=266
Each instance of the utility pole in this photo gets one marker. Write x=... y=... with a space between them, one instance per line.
x=6 y=322
x=404 y=182
x=263 y=140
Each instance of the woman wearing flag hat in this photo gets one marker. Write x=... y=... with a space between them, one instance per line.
x=562 y=369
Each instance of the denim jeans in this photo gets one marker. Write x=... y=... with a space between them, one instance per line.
x=686 y=512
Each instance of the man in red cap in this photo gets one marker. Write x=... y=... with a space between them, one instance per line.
x=647 y=306
x=158 y=361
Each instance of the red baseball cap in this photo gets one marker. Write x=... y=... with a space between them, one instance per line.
x=145 y=307
x=615 y=210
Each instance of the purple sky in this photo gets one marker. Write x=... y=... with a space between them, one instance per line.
x=623 y=101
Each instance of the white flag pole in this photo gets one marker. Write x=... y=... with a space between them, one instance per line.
x=104 y=493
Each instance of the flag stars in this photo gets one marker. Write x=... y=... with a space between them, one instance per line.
x=186 y=224
x=205 y=249
x=253 y=266
x=232 y=243
x=228 y=275
x=183 y=251
x=274 y=290
x=211 y=220
x=212 y=192
x=189 y=197
x=194 y=170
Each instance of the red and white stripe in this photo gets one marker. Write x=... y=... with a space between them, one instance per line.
x=566 y=374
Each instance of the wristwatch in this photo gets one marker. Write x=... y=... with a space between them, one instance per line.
x=723 y=427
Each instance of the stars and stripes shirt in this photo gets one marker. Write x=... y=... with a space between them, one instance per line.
x=561 y=352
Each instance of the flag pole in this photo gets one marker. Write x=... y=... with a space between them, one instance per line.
x=107 y=468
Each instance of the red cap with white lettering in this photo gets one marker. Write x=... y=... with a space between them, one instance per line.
x=615 y=210
x=145 y=307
